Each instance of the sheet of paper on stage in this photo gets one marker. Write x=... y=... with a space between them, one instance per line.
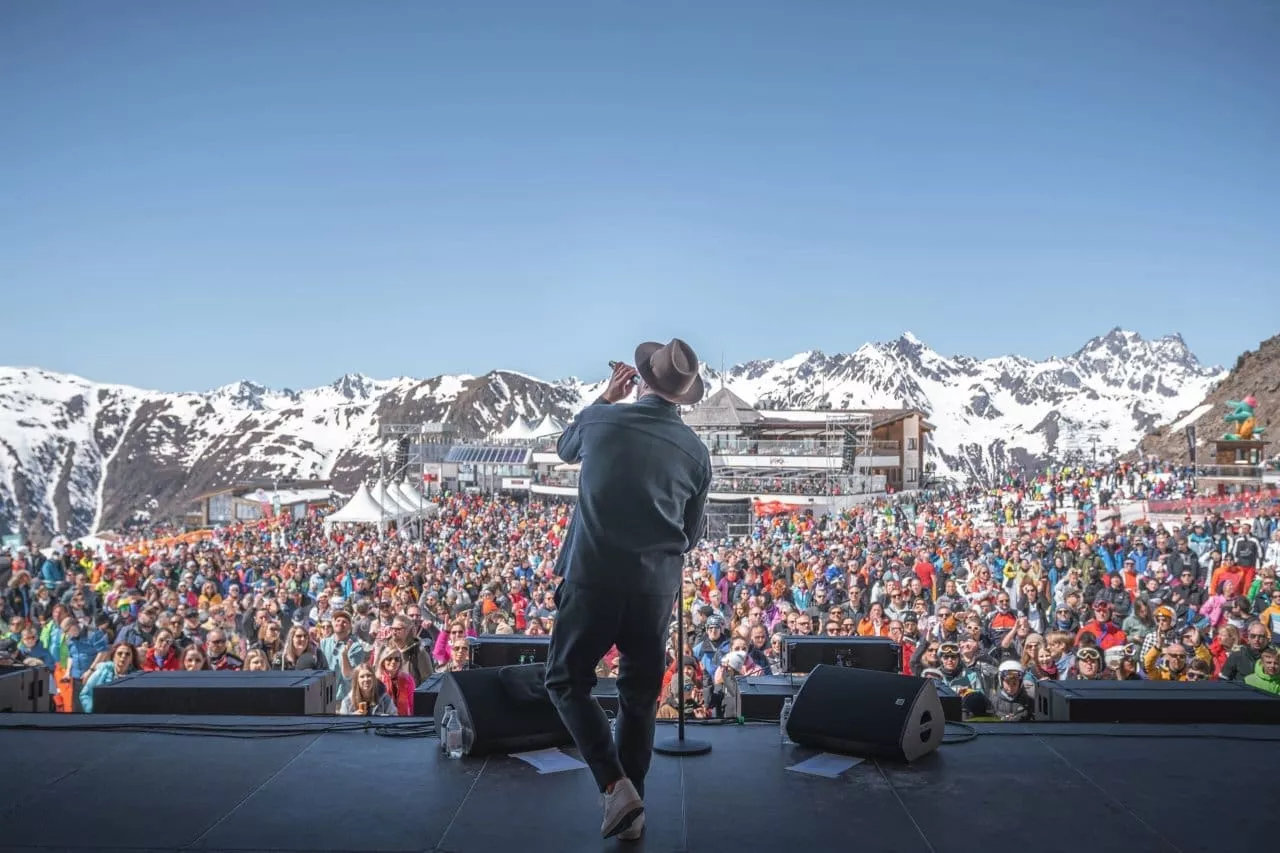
x=825 y=764
x=550 y=760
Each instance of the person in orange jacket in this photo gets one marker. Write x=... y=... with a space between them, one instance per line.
x=1107 y=632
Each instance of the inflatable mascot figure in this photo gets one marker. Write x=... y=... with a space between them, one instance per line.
x=1244 y=418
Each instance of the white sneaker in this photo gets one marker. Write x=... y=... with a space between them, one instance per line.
x=633 y=832
x=621 y=808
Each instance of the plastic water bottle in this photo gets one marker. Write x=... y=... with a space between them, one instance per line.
x=613 y=728
x=442 y=728
x=783 y=716
x=453 y=734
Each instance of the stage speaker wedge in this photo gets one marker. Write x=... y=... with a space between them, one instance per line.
x=868 y=713
x=507 y=709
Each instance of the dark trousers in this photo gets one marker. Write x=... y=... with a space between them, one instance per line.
x=588 y=622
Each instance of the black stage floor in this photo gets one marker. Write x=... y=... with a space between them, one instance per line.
x=1046 y=787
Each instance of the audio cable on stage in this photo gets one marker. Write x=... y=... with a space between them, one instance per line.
x=410 y=728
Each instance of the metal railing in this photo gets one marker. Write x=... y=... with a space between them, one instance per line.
x=1244 y=472
x=743 y=446
x=805 y=484
x=568 y=479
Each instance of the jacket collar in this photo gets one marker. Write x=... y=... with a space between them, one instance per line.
x=653 y=401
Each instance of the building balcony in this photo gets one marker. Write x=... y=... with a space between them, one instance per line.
x=764 y=487
x=745 y=446
x=811 y=485
x=742 y=446
x=1232 y=472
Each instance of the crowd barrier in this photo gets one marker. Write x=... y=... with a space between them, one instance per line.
x=1225 y=504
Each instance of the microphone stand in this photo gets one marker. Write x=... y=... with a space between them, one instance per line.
x=679 y=745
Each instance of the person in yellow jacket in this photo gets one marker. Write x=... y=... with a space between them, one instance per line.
x=1167 y=664
x=1266 y=675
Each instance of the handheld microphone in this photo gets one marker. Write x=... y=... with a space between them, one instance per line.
x=614 y=365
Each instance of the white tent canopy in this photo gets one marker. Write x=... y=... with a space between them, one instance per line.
x=520 y=429
x=390 y=500
x=546 y=427
x=406 y=494
x=429 y=509
x=361 y=509
x=416 y=499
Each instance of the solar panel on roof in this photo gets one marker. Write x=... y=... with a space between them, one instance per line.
x=489 y=455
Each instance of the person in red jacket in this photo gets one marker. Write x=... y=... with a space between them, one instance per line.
x=897 y=633
x=163 y=654
x=399 y=684
x=1108 y=633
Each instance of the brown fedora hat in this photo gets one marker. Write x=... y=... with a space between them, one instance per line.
x=671 y=369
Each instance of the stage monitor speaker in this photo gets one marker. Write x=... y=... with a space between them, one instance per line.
x=804 y=652
x=294 y=693
x=1204 y=702
x=24 y=689
x=606 y=693
x=952 y=707
x=764 y=695
x=506 y=708
x=424 y=697
x=494 y=650
x=868 y=713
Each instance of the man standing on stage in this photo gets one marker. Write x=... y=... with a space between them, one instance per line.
x=641 y=492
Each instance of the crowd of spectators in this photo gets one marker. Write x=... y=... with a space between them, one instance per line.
x=989 y=590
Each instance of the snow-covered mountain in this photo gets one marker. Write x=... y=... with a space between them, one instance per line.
x=993 y=413
x=77 y=455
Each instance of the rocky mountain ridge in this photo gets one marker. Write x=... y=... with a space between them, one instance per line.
x=78 y=456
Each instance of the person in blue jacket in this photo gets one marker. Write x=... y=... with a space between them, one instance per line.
x=124 y=660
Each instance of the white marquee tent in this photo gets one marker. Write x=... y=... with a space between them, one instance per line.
x=415 y=499
x=389 y=499
x=361 y=509
x=519 y=430
x=547 y=427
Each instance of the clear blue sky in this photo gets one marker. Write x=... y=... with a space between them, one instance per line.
x=194 y=193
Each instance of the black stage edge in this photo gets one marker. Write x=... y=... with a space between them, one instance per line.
x=1044 y=786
